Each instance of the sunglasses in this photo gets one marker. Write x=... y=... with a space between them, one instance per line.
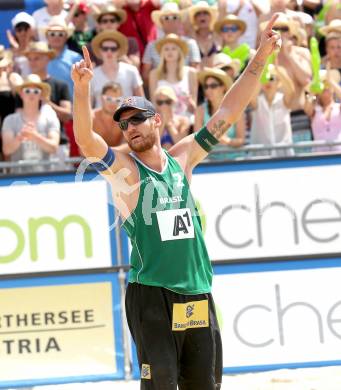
x=110 y=99
x=272 y=78
x=202 y=13
x=113 y=49
x=233 y=28
x=167 y=102
x=111 y=20
x=76 y=14
x=170 y=17
x=21 y=27
x=212 y=86
x=135 y=120
x=33 y=91
x=59 y=34
x=281 y=29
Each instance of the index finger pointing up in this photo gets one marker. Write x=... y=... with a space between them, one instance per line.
x=86 y=56
x=272 y=22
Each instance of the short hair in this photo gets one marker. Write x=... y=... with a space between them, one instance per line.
x=111 y=86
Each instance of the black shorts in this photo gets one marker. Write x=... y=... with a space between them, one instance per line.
x=177 y=338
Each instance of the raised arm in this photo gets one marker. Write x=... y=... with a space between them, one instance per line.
x=91 y=144
x=234 y=102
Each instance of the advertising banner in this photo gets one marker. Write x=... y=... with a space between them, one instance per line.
x=57 y=330
x=274 y=209
x=279 y=315
x=55 y=226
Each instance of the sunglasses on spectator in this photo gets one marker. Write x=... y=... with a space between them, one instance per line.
x=212 y=86
x=113 y=49
x=33 y=91
x=135 y=120
x=201 y=13
x=21 y=27
x=110 y=99
x=167 y=102
x=232 y=28
x=170 y=17
x=272 y=78
x=59 y=34
x=111 y=20
x=281 y=29
x=76 y=14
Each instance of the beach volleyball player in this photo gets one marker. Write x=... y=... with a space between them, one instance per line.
x=169 y=306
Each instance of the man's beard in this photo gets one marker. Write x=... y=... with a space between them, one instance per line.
x=147 y=143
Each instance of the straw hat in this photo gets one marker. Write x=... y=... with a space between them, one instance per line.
x=167 y=91
x=5 y=57
x=40 y=48
x=172 y=38
x=333 y=35
x=220 y=60
x=199 y=7
x=216 y=73
x=333 y=26
x=230 y=19
x=110 y=9
x=110 y=35
x=334 y=75
x=167 y=9
x=58 y=23
x=33 y=80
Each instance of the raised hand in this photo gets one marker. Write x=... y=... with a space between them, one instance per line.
x=81 y=72
x=270 y=40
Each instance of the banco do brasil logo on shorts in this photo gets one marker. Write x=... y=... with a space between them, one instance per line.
x=190 y=315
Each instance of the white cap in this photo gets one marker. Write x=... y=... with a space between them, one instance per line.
x=23 y=17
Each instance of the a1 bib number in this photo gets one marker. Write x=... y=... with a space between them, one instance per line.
x=175 y=224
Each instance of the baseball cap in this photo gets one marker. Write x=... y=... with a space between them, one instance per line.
x=137 y=102
x=23 y=17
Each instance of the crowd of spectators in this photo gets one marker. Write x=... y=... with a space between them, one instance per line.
x=183 y=55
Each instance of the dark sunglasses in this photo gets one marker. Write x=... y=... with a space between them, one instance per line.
x=113 y=49
x=21 y=27
x=272 y=78
x=167 y=102
x=111 y=20
x=135 y=120
x=76 y=14
x=233 y=28
x=281 y=29
x=201 y=13
x=212 y=86
x=59 y=34
x=170 y=17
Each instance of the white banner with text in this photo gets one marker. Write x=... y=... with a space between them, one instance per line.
x=271 y=212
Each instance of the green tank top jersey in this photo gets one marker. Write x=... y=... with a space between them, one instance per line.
x=168 y=248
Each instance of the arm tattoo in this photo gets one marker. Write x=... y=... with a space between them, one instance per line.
x=255 y=67
x=219 y=128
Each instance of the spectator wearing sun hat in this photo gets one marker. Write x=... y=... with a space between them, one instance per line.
x=249 y=12
x=169 y=19
x=32 y=133
x=23 y=33
x=333 y=50
x=109 y=17
x=39 y=55
x=174 y=127
x=110 y=46
x=173 y=72
x=57 y=33
x=202 y=18
x=43 y=16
